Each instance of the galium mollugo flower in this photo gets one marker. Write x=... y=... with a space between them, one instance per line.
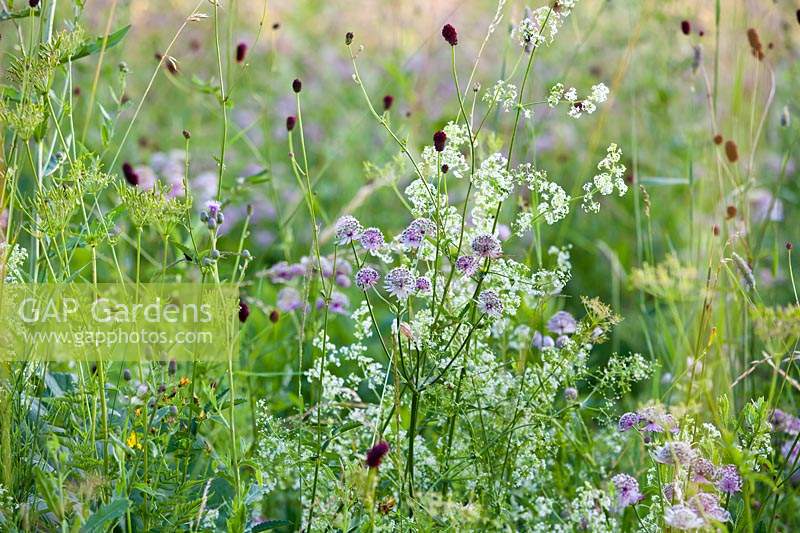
x=348 y=229
x=400 y=282
x=366 y=278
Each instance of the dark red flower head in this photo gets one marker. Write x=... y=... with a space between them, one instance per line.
x=686 y=27
x=274 y=316
x=241 y=52
x=244 y=311
x=297 y=85
x=291 y=120
x=439 y=138
x=450 y=34
x=33 y=3
x=388 y=100
x=348 y=38
x=130 y=175
x=789 y=245
x=376 y=454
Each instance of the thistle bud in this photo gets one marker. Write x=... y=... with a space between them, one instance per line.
x=297 y=85
x=439 y=138
x=450 y=34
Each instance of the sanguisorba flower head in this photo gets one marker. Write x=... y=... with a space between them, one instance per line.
x=439 y=140
x=489 y=303
x=297 y=85
x=400 y=283
x=450 y=34
x=348 y=229
x=376 y=454
x=388 y=100
x=130 y=174
x=486 y=245
x=372 y=239
x=366 y=278
x=291 y=120
x=241 y=52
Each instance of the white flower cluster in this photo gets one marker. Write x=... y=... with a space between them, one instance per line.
x=503 y=94
x=552 y=201
x=492 y=184
x=14 y=260
x=578 y=106
x=541 y=25
x=609 y=179
x=457 y=164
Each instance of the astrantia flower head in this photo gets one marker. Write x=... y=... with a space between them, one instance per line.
x=728 y=479
x=675 y=452
x=683 y=517
x=372 y=239
x=288 y=300
x=450 y=34
x=400 y=282
x=348 y=229
x=627 y=489
x=707 y=505
x=411 y=238
x=562 y=323
x=487 y=245
x=540 y=342
x=490 y=304
x=423 y=285
x=376 y=454
x=439 y=139
x=703 y=470
x=628 y=421
x=570 y=394
x=467 y=265
x=366 y=278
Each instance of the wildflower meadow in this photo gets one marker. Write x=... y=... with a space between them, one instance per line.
x=379 y=265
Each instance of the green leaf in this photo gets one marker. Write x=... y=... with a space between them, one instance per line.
x=111 y=511
x=95 y=45
x=270 y=524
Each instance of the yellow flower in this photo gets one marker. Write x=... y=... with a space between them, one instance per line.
x=184 y=381
x=133 y=441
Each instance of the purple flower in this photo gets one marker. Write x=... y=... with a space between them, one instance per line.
x=683 y=517
x=372 y=239
x=348 y=229
x=703 y=470
x=376 y=454
x=628 y=421
x=423 y=285
x=400 y=282
x=540 y=342
x=668 y=490
x=561 y=341
x=490 y=304
x=707 y=505
x=288 y=300
x=728 y=479
x=570 y=394
x=627 y=489
x=675 y=452
x=411 y=238
x=467 y=265
x=339 y=303
x=366 y=278
x=486 y=245
x=783 y=421
x=562 y=323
